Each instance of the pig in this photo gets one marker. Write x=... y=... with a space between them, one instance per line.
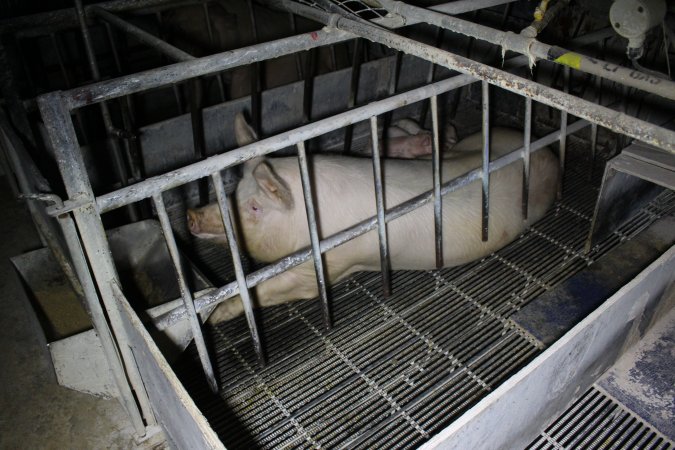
x=405 y=139
x=273 y=222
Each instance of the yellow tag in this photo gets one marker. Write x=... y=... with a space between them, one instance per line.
x=570 y=59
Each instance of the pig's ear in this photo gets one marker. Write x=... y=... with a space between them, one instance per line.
x=243 y=132
x=273 y=186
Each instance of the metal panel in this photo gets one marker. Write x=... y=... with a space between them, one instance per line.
x=511 y=416
x=174 y=409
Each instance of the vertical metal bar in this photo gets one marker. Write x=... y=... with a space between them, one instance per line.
x=308 y=92
x=226 y=213
x=486 y=161
x=353 y=91
x=62 y=135
x=594 y=126
x=6 y=168
x=298 y=60
x=314 y=234
x=185 y=293
x=174 y=86
x=100 y=324
x=430 y=75
x=526 y=155
x=118 y=161
x=256 y=83
x=379 y=202
x=438 y=199
x=209 y=29
x=563 y=134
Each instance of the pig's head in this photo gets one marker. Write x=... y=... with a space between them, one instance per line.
x=264 y=204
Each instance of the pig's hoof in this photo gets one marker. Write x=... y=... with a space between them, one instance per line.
x=227 y=310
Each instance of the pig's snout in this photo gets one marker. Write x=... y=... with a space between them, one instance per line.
x=193 y=221
x=206 y=223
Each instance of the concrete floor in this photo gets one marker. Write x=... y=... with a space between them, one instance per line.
x=35 y=412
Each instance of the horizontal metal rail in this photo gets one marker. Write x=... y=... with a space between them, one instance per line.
x=613 y=120
x=530 y=46
x=215 y=296
x=154 y=185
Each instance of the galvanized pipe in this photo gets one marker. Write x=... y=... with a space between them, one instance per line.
x=438 y=200
x=223 y=293
x=226 y=213
x=379 y=204
x=209 y=29
x=314 y=235
x=195 y=323
x=618 y=122
x=535 y=49
x=485 y=188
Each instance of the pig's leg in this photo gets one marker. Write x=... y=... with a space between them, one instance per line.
x=296 y=284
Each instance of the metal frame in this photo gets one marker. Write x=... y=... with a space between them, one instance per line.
x=86 y=208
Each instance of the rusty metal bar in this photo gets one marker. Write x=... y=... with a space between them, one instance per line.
x=226 y=212
x=379 y=203
x=485 y=188
x=186 y=295
x=438 y=199
x=314 y=235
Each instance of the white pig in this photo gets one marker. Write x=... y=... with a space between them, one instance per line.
x=273 y=223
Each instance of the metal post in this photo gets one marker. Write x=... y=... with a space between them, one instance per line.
x=314 y=235
x=61 y=133
x=438 y=200
x=174 y=86
x=526 y=156
x=379 y=203
x=256 y=83
x=195 y=323
x=226 y=212
x=486 y=161
x=594 y=126
x=307 y=94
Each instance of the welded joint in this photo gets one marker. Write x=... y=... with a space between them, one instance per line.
x=61 y=207
x=514 y=42
x=332 y=22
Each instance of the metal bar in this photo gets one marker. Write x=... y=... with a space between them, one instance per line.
x=529 y=46
x=314 y=235
x=463 y=6
x=256 y=84
x=142 y=35
x=438 y=200
x=618 y=122
x=195 y=323
x=226 y=212
x=485 y=204
x=438 y=40
x=59 y=126
x=298 y=61
x=218 y=295
x=353 y=91
x=130 y=84
x=307 y=94
x=98 y=319
x=379 y=203
x=150 y=186
x=117 y=160
x=562 y=150
x=209 y=29
x=526 y=156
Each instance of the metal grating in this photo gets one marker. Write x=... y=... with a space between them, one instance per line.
x=363 y=9
x=395 y=371
x=597 y=421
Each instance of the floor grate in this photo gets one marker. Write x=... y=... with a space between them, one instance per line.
x=597 y=421
x=394 y=371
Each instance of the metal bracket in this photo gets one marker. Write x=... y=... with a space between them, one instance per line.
x=631 y=180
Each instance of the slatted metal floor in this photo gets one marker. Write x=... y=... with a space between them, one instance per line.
x=393 y=372
x=597 y=421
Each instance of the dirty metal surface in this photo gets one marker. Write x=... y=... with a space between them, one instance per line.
x=597 y=421
x=394 y=371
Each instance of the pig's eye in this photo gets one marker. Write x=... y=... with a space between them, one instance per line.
x=255 y=208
